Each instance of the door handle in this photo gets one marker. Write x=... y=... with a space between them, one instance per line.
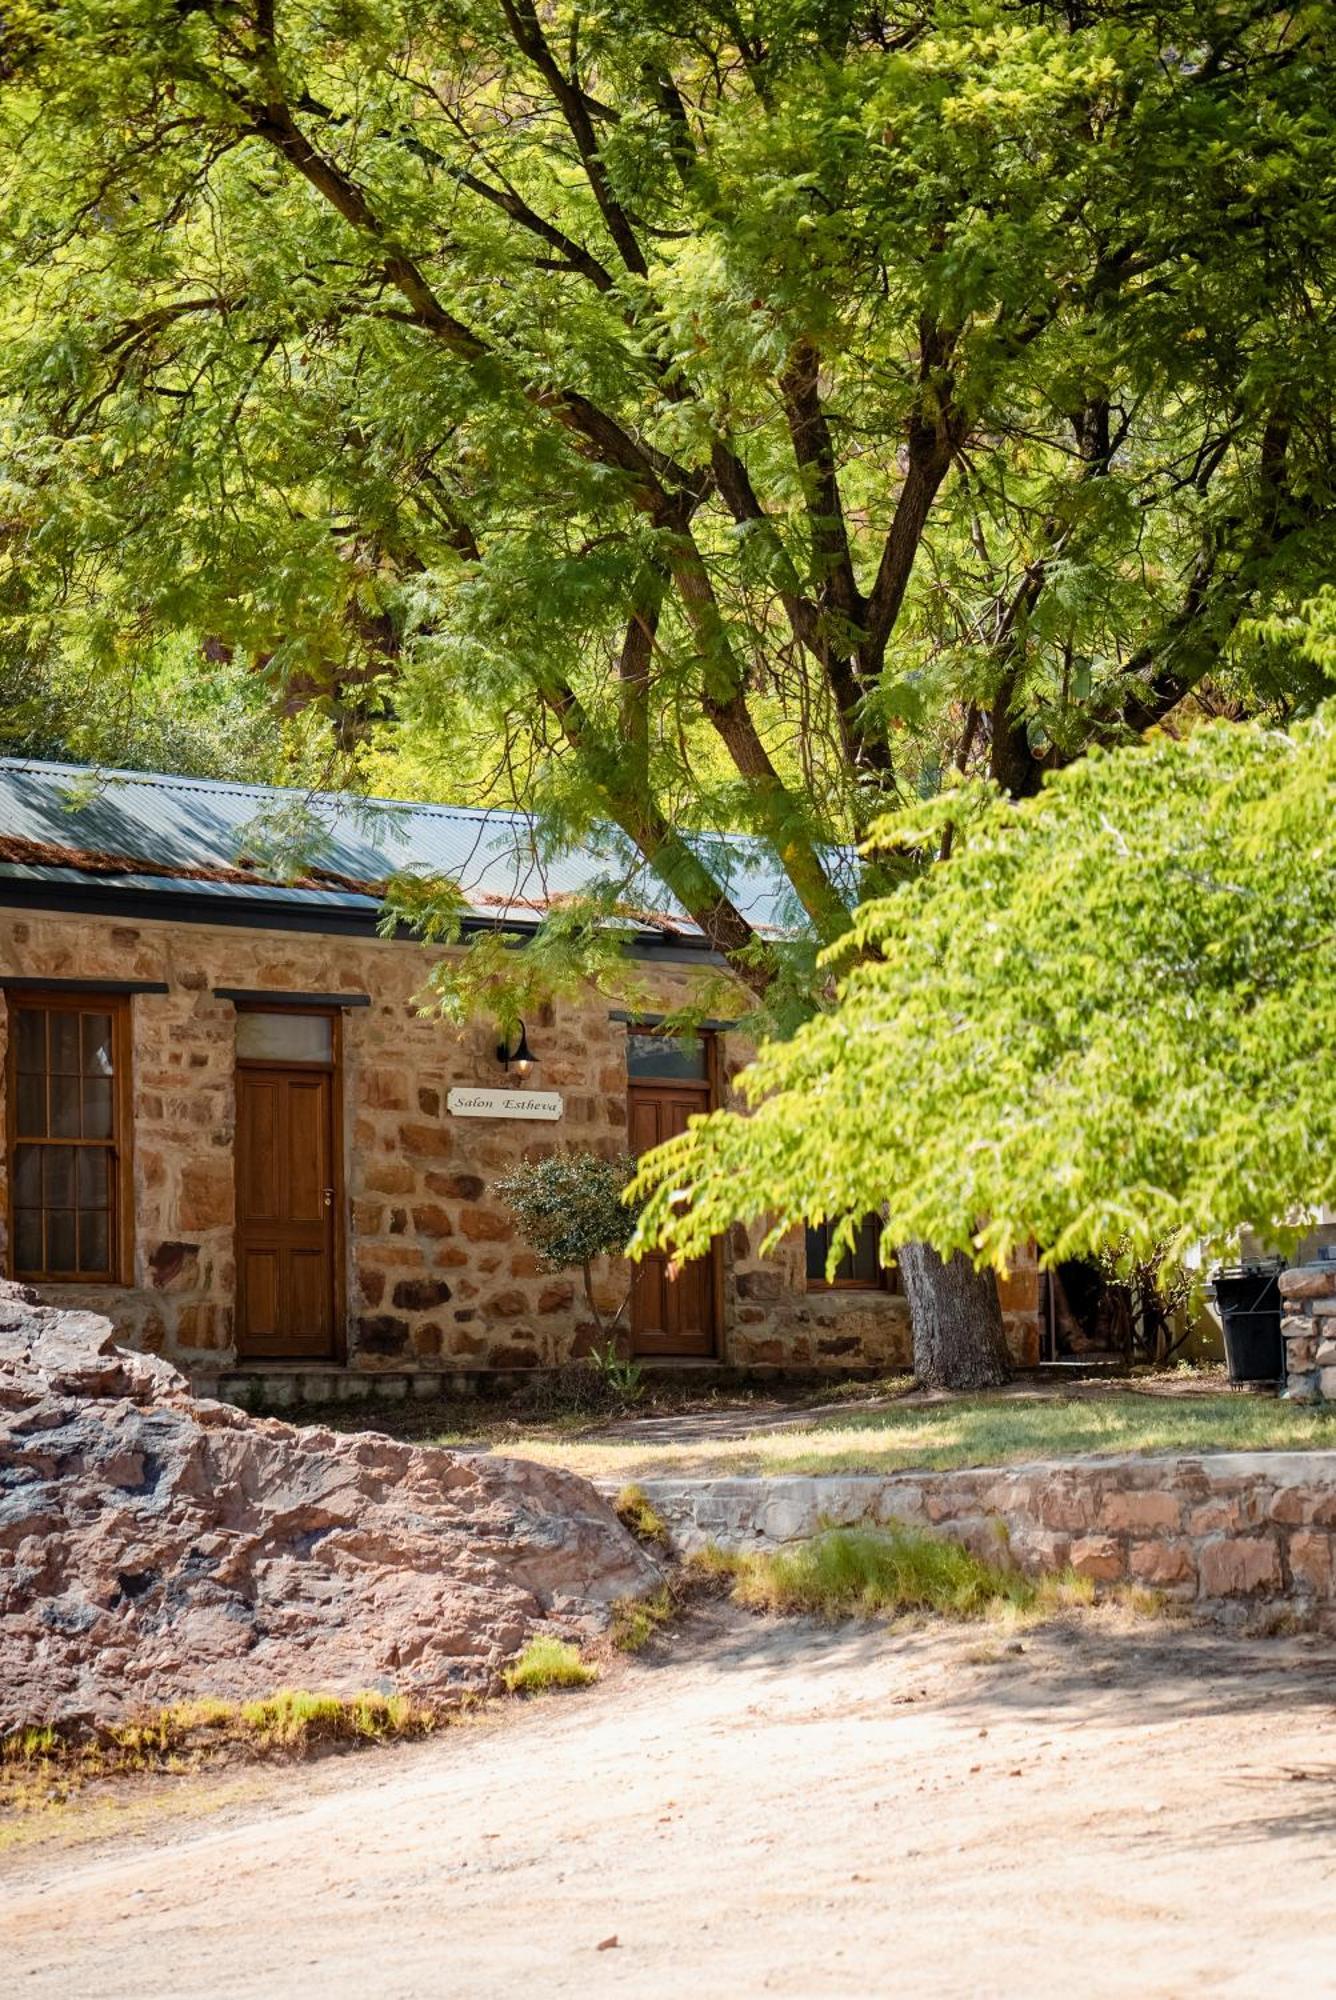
x=329 y=1197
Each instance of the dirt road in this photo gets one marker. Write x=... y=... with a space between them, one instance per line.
x=769 y=1809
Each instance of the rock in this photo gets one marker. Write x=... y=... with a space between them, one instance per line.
x=1098 y=1557
x=156 y=1547
x=1239 y=1567
x=1308 y=1281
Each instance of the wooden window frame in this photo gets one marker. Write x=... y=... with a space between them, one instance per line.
x=886 y=1279
x=87 y=1000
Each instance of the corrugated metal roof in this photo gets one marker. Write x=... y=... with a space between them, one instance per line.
x=62 y=824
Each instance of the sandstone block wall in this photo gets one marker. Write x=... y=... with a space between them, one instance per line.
x=435 y=1276
x=1228 y=1527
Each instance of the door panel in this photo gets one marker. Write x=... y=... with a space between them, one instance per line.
x=285 y=1214
x=258 y=1114
x=671 y=1313
x=308 y=1147
x=260 y=1283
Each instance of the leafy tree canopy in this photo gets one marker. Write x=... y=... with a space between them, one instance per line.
x=1108 y=1018
x=680 y=414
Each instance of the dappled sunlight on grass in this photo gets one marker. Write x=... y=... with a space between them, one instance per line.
x=982 y=1430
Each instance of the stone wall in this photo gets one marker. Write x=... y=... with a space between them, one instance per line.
x=1308 y=1330
x=1228 y=1527
x=435 y=1277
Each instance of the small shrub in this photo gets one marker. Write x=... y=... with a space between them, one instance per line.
x=620 y=1376
x=548 y=1663
x=635 y=1511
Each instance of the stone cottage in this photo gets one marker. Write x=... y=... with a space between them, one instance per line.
x=230 y=1126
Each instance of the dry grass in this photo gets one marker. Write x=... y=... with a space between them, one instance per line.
x=636 y=1511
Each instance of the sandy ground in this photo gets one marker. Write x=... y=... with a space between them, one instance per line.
x=765 y=1809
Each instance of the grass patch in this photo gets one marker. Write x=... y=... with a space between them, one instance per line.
x=637 y=1620
x=46 y=1767
x=893 y=1572
x=548 y=1663
x=635 y=1511
x=964 y=1431
x=871 y=1573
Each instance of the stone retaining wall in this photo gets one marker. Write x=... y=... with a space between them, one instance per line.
x=1308 y=1330
x=1223 y=1528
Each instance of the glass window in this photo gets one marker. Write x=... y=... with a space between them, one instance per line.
x=670 y=1058
x=859 y=1268
x=285 y=1036
x=65 y=1163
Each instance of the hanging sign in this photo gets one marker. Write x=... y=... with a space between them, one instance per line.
x=470 y=1103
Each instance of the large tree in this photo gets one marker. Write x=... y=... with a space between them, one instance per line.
x=692 y=417
x=1113 y=1009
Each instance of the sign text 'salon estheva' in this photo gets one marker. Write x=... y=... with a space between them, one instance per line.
x=467 y=1103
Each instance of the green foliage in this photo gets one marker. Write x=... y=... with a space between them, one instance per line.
x=621 y=1376
x=1108 y=1019
x=548 y=1663
x=681 y=420
x=569 y=1205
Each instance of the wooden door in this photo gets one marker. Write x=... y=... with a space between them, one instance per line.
x=670 y=1313
x=286 y=1210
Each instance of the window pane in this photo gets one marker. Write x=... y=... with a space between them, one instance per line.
x=96 y=1108
x=60 y=1253
x=863 y=1263
x=31 y=1039
x=28 y=1176
x=32 y=1106
x=94 y=1237
x=94 y=1180
x=57 y=1177
x=285 y=1037
x=64 y=1043
x=859 y=1266
x=97 y=1057
x=64 y=1107
x=64 y=1195
x=27 y=1239
x=667 y=1056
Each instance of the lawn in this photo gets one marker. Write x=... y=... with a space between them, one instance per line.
x=977 y=1430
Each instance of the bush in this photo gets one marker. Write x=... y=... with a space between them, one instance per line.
x=569 y=1206
x=570 y=1209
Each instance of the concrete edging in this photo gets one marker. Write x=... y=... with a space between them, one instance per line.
x=1212 y=1528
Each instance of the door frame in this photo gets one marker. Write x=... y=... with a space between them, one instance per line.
x=338 y=1289
x=711 y=1098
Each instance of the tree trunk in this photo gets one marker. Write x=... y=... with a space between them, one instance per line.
x=956 y=1319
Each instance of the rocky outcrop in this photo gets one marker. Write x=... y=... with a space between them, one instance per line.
x=155 y=1547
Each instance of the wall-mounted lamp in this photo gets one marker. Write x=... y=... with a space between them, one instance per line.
x=521 y=1058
